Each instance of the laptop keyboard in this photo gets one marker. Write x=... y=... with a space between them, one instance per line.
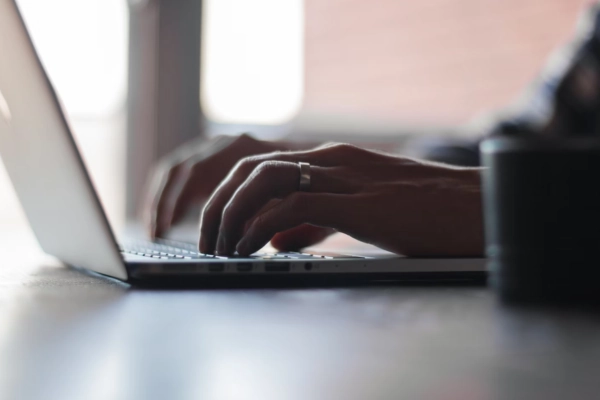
x=172 y=250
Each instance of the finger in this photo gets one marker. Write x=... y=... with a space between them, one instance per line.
x=189 y=185
x=270 y=180
x=300 y=237
x=152 y=189
x=323 y=210
x=182 y=198
x=158 y=198
x=205 y=176
x=178 y=200
x=161 y=185
x=331 y=156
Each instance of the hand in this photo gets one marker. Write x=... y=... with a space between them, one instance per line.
x=190 y=174
x=406 y=206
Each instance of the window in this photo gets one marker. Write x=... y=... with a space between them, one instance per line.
x=253 y=60
x=373 y=63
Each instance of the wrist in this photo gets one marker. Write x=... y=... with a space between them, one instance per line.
x=473 y=213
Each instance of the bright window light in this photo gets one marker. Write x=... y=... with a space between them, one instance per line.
x=83 y=46
x=252 y=60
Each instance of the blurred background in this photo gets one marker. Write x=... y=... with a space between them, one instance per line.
x=140 y=77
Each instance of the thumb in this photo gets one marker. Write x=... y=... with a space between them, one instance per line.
x=300 y=237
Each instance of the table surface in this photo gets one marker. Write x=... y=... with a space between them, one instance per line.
x=68 y=335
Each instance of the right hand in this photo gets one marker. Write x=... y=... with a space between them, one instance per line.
x=403 y=205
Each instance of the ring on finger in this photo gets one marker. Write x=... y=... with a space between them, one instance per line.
x=304 y=184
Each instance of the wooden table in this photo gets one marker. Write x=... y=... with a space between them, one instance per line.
x=68 y=335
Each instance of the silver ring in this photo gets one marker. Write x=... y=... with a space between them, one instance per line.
x=304 y=185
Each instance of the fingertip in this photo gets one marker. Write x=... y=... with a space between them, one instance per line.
x=157 y=231
x=221 y=246
x=152 y=231
x=299 y=237
x=243 y=247
x=280 y=242
x=163 y=225
x=290 y=240
x=202 y=245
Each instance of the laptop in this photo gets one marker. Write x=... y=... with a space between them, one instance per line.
x=63 y=209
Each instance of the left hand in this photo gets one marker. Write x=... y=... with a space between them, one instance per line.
x=403 y=205
x=188 y=175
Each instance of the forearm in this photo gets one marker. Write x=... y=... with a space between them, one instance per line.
x=470 y=213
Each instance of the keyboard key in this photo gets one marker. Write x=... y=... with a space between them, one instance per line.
x=167 y=249
x=274 y=257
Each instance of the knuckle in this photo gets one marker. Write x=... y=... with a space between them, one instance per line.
x=259 y=223
x=171 y=171
x=326 y=145
x=244 y=138
x=265 y=169
x=340 y=149
x=187 y=170
x=246 y=165
x=345 y=147
x=194 y=165
x=167 y=163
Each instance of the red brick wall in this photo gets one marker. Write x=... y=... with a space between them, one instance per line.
x=440 y=61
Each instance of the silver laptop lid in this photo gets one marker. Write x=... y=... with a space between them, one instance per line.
x=43 y=162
